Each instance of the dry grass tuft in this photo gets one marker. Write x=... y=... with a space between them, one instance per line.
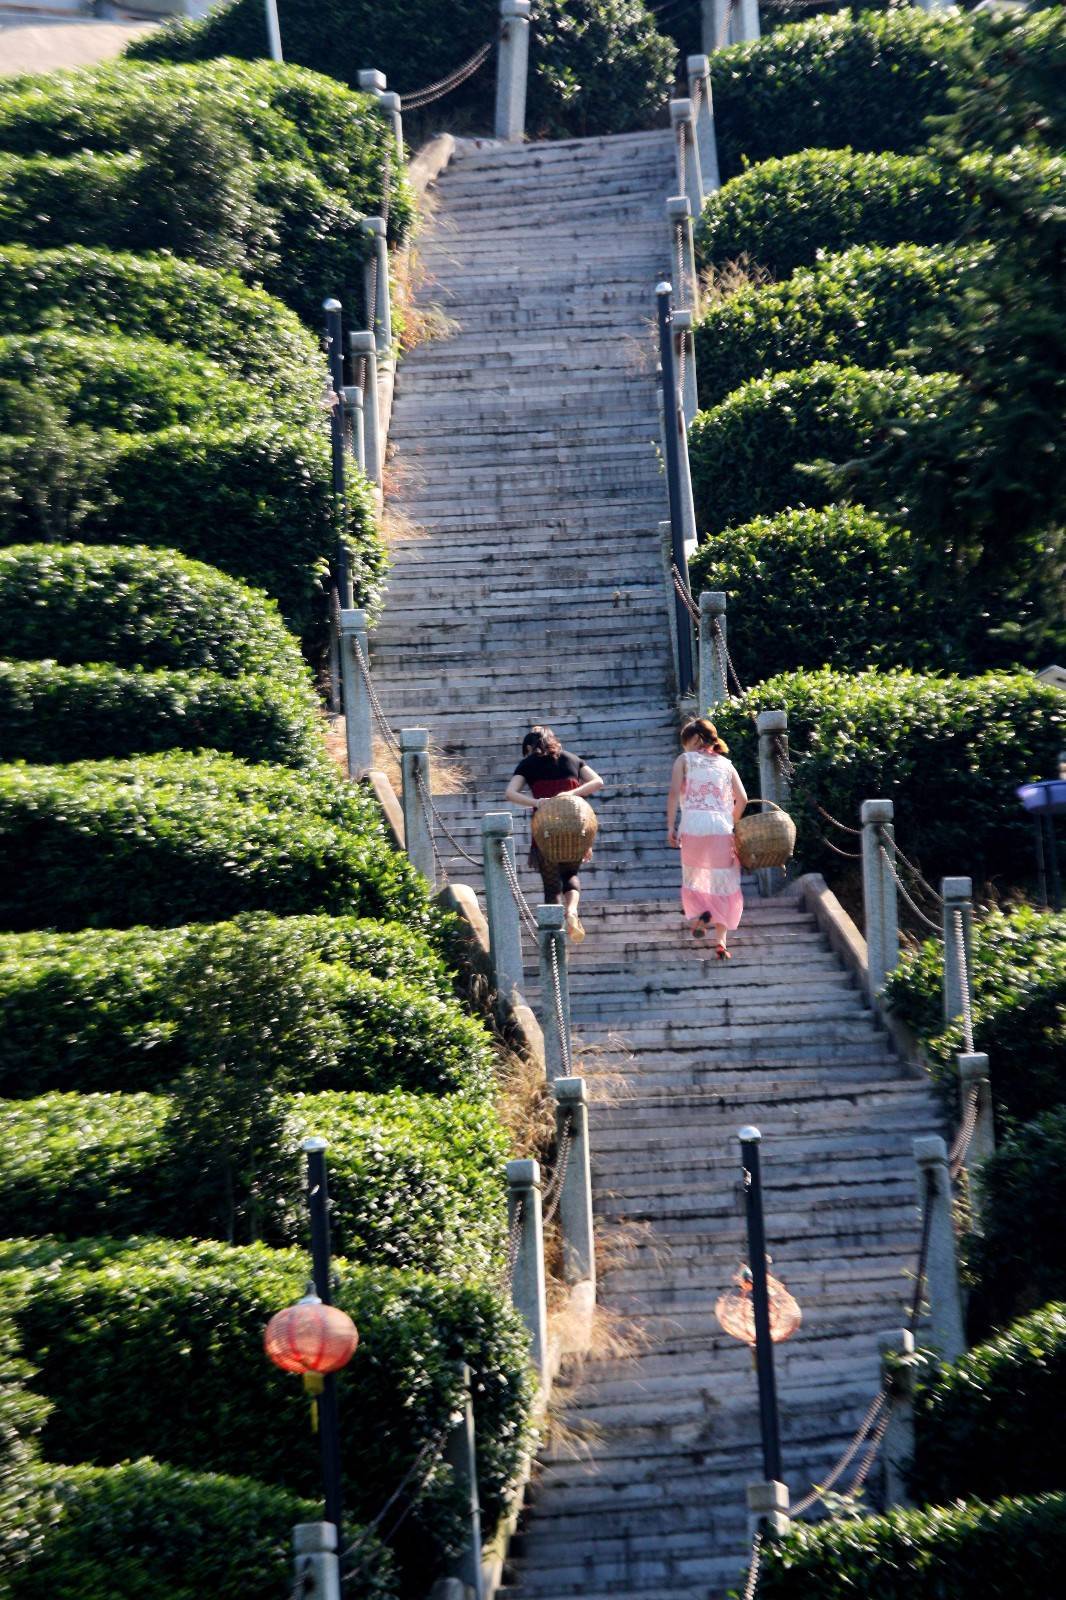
x=719 y=283
x=525 y=1104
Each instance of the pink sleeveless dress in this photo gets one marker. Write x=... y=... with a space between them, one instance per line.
x=710 y=870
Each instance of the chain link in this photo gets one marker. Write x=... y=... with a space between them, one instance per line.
x=436 y=91
x=553 y=1191
x=431 y=1452
x=917 y=910
x=560 y=1015
x=752 y=1585
x=964 y=1137
x=516 y=889
x=435 y=820
x=514 y=1240
x=873 y=1412
x=964 y=981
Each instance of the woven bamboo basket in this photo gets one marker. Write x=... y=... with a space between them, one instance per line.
x=564 y=828
x=767 y=840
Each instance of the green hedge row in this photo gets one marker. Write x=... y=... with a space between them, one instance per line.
x=948 y=751
x=1018 y=1261
x=256 y=501
x=838 y=587
x=961 y=1552
x=245 y=330
x=415 y=1182
x=52 y=713
x=136 y=385
x=175 y=838
x=215 y=1403
x=989 y=1424
x=1018 y=993
x=368 y=1005
x=788 y=212
x=749 y=452
x=861 y=307
x=134 y=607
x=864 y=79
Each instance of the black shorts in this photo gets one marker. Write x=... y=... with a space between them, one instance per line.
x=558 y=877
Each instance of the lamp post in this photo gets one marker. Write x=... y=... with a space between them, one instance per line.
x=1045 y=801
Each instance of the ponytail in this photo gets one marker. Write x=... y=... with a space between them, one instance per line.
x=702 y=729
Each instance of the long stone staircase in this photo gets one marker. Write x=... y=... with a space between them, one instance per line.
x=528 y=588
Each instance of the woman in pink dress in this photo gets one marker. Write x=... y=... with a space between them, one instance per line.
x=705 y=785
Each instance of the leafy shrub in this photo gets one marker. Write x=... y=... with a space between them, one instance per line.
x=98 y=1010
x=988 y=1425
x=961 y=1552
x=215 y=1403
x=747 y=453
x=22 y=1416
x=864 y=79
x=788 y=212
x=175 y=837
x=1018 y=998
x=1017 y=1265
x=135 y=385
x=839 y=587
x=151 y=1532
x=243 y=329
x=256 y=501
x=414 y=1182
x=860 y=307
x=597 y=66
x=948 y=751
x=80 y=604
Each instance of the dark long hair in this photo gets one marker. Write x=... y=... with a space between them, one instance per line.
x=703 y=729
x=541 y=742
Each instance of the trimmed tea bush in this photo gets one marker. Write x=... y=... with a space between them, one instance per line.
x=787 y=212
x=748 y=452
x=948 y=751
x=414 y=1182
x=1018 y=992
x=861 y=307
x=151 y=1532
x=839 y=587
x=1016 y=1263
x=989 y=1424
x=99 y=1010
x=175 y=837
x=963 y=1552
x=864 y=79
x=215 y=1403
x=245 y=330
x=52 y=713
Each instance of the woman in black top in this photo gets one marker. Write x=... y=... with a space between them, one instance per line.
x=547 y=769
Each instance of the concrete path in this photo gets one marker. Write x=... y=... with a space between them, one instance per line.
x=32 y=42
x=524 y=453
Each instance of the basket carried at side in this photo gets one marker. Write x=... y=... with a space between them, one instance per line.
x=564 y=828
x=767 y=840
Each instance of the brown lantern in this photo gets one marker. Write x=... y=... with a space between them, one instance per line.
x=312 y=1339
x=736 y=1313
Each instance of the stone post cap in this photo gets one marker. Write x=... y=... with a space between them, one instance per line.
x=497 y=824
x=900 y=1342
x=766 y=1498
x=956 y=888
x=682 y=321
x=930 y=1151
x=876 y=811
x=314 y=1538
x=523 y=1174
x=772 y=722
x=697 y=66
x=571 y=1091
x=551 y=918
x=516 y=9
x=680 y=111
x=373 y=226
x=362 y=344
x=353 y=621
x=678 y=205
x=371 y=80
x=390 y=101
x=714 y=601
x=414 y=738
x=973 y=1068
x=353 y=395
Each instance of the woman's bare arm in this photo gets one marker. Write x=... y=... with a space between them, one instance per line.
x=518 y=792
x=740 y=797
x=591 y=782
x=673 y=799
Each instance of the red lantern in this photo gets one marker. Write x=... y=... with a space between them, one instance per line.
x=312 y=1339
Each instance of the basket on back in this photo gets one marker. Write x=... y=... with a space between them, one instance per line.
x=564 y=828
x=767 y=840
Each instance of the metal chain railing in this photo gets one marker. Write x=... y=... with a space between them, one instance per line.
x=423 y=1463
x=434 y=820
x=418 y=98
x=514 y=1241
x=901 y=886
x=553 y=1189
x=964 y=980
x=560 y=1015
x=515 y=887
x=754 y=1567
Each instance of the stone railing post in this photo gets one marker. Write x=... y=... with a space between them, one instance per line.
x=316 y=1566
x=358 y=715
x=512 y=69
x=505 y=929
x=958 y=919
x=679 y=216
x=376 y=289
x=747 y=23
x=689 y=177
x=575 y=1200
x=699 y=92
x=686 y=358
x=415 y=780
x=373 y=82
x=879 y=891
x=718 y=25
x=460 y=1453
x=528 y=1289
x=768 y=1509
x=941 y=1271
x=551 y=942
x=974 y=1074
x=772 y=729
x=714 y=671
x=353 y=407
x=666 y=545
x=363 y=348
x=897 y=1449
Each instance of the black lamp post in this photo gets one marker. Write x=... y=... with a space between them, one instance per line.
x=1045 y=801
x=328 y=1425
x=750 y=1139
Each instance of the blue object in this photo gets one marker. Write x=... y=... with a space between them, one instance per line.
x=1048 y=795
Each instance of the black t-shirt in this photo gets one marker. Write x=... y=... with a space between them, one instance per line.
x=550 y=775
